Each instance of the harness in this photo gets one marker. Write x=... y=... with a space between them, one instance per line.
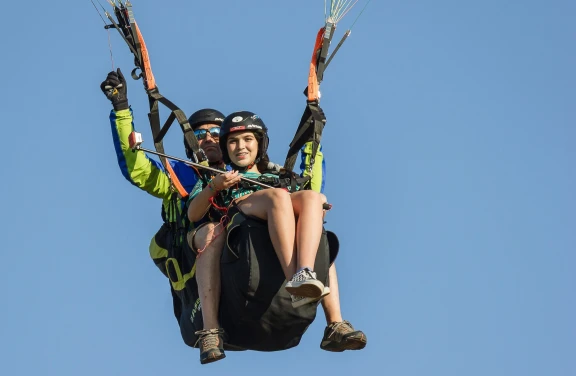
x=180 y=267
x=286 y=180
x=262 y=319
x=313 y=120
x=128 y=29
x=309 y=129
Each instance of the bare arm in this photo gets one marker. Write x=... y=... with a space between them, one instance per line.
x=201 y=202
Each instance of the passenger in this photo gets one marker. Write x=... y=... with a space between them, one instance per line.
x=244 y=143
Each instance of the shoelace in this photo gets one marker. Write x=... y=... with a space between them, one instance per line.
x=209 y=337
x=303 y=275
x=343 y=327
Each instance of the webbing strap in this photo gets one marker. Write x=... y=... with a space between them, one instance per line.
x=312 y=121
x=130 y=32
x=323 y=53
x=158 y=133
x=175 y=114
x=310 y=129
x=318 y=62
x=313 y=89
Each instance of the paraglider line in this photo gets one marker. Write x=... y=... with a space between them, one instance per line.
x=362 y=11
x=108 y=31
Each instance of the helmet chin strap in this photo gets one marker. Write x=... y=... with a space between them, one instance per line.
x=244 y=169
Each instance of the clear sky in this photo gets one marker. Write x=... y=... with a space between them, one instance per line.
x=451 y=155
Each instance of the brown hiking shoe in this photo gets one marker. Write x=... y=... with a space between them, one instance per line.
x=340 y=336
x=211 y=345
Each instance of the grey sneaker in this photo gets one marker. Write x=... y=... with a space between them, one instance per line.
x=304 y=283
x=340 y=336
x=299 y=301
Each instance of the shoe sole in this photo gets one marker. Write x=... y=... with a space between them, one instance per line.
x=305 y=301
x=213 y=359
x=349 y=344
x=308 y=289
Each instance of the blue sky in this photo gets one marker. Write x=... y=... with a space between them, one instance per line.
x=450 y=149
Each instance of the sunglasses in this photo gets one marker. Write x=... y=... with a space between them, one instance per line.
x=203 y=133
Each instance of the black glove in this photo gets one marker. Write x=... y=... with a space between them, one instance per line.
x=115 y=89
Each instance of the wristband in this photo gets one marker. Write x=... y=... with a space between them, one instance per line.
x=212 y=187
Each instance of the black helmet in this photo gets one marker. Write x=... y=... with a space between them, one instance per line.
x=205 y=116
x=201 y=117
x=243 y=121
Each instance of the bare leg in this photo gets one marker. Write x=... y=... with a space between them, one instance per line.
x=208 y=271
x=275 y=206
x=339 y=335
x=331 y=302
x=308 y=209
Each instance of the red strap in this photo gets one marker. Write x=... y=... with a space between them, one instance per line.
x=175 y=180
x=313 y=87
x=148 y=76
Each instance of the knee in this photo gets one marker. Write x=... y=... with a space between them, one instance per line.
x=206 y=235
x=279 y=197
x=311 y=196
